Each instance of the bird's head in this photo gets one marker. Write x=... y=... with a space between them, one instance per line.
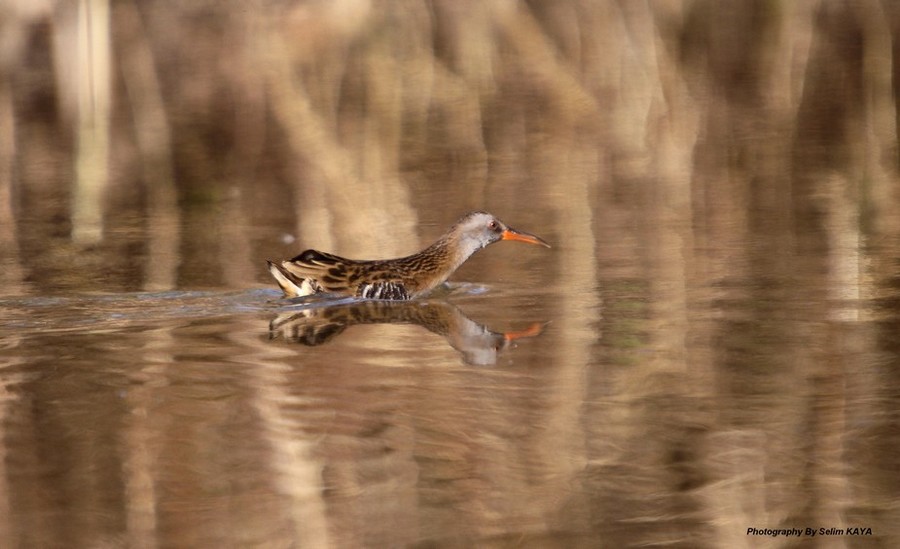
x=478 y=229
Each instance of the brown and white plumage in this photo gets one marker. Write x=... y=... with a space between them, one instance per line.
x=408 y=277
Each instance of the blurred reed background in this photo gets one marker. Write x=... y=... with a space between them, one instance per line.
x=171 y=125
x=719 y=181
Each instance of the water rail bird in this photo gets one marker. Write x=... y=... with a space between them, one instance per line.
x=403 y=278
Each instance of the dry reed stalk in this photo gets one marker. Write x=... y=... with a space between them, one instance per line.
x=154 y=141
x=92 y=151
x=359 y=190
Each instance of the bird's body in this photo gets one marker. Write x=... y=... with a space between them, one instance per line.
x=402 y=278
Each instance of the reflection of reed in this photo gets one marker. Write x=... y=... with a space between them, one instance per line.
x=139 y=446
x=296 y=470
x=8 y=401
x=477 y=344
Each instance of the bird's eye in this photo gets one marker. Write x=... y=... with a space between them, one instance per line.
x=492 y=225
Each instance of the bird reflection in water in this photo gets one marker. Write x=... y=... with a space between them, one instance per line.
x=477 y=344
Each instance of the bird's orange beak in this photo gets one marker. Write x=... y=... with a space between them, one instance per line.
x=512 y=234
x=532 y=331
